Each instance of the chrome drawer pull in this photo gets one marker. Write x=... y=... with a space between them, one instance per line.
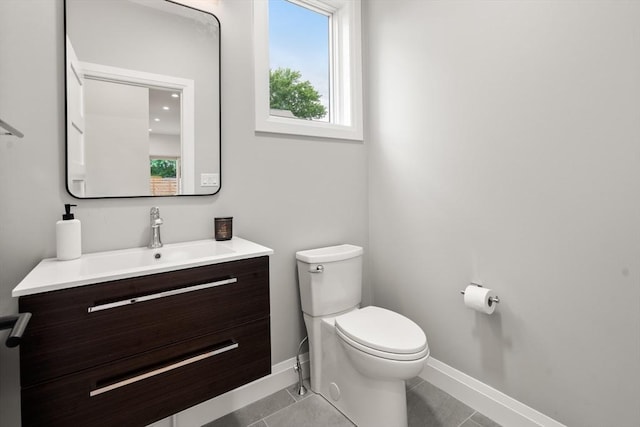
x=159 y=371
x=161 y=295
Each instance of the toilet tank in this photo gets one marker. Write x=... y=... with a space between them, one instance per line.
x=330 y=279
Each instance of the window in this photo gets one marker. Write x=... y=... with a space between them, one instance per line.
x=308 y=68
x=299 y=65
x=164 y=173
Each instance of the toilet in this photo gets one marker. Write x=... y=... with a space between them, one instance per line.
x=360 y=357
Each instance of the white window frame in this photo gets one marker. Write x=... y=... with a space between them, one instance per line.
x=345 y=73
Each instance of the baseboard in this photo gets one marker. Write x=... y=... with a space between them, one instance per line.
x=485 y=399
x=481 y=397
x=282 y=375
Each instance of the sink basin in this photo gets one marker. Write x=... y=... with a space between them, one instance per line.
x=52 y=274
x=145 y=257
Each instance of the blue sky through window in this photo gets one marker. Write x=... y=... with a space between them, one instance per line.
x=299 y=40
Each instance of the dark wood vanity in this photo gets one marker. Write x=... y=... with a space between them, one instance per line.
x=136 y=350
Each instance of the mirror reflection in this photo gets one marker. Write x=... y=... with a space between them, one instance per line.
x=143 y=99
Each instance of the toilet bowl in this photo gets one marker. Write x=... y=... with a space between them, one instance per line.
x=359 y=357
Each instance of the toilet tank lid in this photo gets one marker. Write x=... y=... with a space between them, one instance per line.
x=329 y=254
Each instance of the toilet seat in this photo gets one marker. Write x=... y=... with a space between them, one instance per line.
x=382 y=333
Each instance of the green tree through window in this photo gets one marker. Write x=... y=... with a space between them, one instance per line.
x=163 y=168
x=288 y=92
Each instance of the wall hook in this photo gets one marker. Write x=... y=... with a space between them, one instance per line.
x=10 y=130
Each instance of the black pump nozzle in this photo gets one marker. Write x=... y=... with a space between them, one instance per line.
x=68 y=215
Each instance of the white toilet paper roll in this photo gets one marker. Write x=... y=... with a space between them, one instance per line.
x=478 y=298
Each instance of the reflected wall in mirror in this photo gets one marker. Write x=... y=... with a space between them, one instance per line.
x=143 y=99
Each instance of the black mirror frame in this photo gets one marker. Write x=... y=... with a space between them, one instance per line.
x=66 y=104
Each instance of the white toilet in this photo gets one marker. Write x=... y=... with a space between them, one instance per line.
x=360 y=357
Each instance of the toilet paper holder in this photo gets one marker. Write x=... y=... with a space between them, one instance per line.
x=494 y=300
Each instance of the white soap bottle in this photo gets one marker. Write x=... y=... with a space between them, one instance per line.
x=68 y=236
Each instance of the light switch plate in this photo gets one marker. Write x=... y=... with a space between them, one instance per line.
x=209 y=180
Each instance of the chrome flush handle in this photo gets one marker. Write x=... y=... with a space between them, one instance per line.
x=318 y=269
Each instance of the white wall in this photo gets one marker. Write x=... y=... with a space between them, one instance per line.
x=116 y=138
x=286 y=193
x=161 y=145
x=504 y=143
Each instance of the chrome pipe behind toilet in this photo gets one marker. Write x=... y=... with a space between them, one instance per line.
x=302 y=390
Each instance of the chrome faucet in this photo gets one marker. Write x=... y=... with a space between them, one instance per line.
x=156 y=222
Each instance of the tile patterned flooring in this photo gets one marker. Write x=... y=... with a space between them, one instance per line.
x=427 y=406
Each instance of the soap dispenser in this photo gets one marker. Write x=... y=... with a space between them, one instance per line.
x=68 y=236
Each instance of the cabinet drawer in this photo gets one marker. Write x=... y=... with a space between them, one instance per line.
x=147 y=387
x=83 y=327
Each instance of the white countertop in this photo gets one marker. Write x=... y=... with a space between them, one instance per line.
x=51 y=274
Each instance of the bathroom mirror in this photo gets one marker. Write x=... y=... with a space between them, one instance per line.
x=142 y=99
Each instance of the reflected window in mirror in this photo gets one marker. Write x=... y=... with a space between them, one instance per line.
x=143 y=84
x=164 y=175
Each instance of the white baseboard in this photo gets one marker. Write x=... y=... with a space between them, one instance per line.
x=485 y=399
x=282 y=375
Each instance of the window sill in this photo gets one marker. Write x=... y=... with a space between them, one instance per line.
x=309 y=128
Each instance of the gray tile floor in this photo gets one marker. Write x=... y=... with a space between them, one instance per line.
x=427 y=406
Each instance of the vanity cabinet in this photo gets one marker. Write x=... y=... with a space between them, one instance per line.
x=136 y=350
